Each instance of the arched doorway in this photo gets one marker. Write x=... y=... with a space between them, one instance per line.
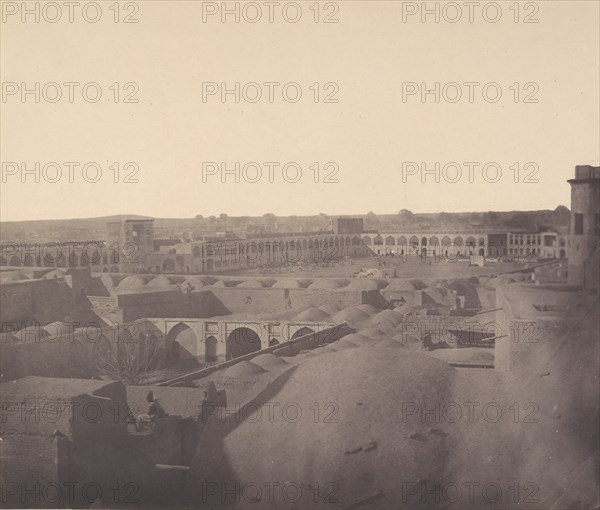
x=210 y=349
x=182 y=343
x=241 y=341
x=301 y=332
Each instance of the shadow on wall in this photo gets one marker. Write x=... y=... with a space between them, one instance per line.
x=211 y=451
x=212 y=303
x=182 y=347
x=374 y=298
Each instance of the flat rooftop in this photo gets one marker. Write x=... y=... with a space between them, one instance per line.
x=57 y=388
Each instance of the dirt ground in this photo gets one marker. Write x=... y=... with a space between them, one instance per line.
x=412 y=267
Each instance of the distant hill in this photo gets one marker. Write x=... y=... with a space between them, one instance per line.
x=82 y=229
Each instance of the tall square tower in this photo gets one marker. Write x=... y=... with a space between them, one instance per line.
x=130 y=243
x=584 y=234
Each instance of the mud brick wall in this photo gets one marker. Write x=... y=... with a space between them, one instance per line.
x=31 y=464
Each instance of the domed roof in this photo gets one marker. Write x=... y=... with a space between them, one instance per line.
x=195 y=281
x=57 y=329
x=312 y=314
x=390 y=343
x=326 y=349
x=369 y=309
x=291 y=283
x=401 y=285
x=131 y=282
x=368 y=435
x=366 y=284
x=330 y=308
x=227 y=283
x=406 y=338
x=107 y=280
x=243 y=369
x=371 y=333
x=350 y=314
x=387 y=316
x=359 y=339
x=345 y=344
x=251 y=284
x=159 y=281
x=405 y=310
x=268 y=361
x=55 y=273
x=327 y=284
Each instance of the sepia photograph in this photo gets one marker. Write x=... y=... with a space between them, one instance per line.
x=300 y=255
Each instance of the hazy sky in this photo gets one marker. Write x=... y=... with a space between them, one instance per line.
x=370 y=133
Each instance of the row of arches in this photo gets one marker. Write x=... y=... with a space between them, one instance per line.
x=183 y=343
x=423 y=241
x=212 y=249
x=214 y=256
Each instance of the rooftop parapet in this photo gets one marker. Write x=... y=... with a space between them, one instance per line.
x=586 y=172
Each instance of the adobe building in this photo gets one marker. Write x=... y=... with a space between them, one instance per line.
x=585 y=227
